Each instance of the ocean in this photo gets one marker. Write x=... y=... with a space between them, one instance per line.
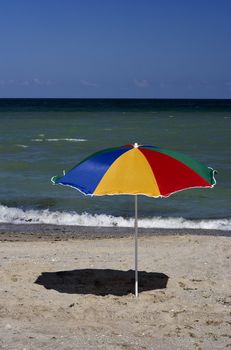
x=42 y=137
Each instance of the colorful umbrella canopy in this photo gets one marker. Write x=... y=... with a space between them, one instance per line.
x=134 y=169
x=137 y=169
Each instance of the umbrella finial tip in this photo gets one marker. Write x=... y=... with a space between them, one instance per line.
x=136 y=145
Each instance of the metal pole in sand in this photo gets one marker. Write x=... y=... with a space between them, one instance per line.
x=136 y=246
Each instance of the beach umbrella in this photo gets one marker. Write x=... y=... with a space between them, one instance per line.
x=137 y=170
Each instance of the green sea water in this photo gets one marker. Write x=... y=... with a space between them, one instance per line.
x=42 y=137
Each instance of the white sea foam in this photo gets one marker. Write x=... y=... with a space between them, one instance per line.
x=22 y=146
x=37 y=140
x=58 y=139
x=66 y=139
x=20 y=216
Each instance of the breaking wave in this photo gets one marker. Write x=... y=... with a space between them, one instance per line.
x=20 y=216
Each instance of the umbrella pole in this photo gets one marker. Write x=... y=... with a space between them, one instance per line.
x=136 y=246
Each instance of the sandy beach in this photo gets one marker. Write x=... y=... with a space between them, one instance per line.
x=65 y=292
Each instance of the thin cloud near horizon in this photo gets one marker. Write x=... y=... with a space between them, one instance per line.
x=88 y=83
x=142 y=83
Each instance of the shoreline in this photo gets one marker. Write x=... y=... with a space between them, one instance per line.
x=38 y=232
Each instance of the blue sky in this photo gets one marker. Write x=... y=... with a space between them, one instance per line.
x=115 y=48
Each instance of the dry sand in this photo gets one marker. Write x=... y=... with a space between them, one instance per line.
x=77 y=294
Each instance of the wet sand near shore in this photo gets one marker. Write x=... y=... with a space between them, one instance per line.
x=31 y=232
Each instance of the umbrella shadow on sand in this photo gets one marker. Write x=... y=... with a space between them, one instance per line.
x=101 y=281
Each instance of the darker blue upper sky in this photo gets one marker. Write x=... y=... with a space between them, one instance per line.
x=115 y=48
